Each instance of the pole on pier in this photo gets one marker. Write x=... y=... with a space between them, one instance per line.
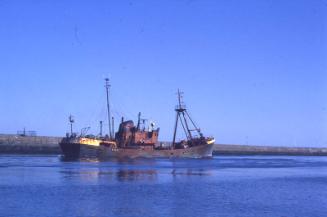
x=71 y=121
x=101 y=123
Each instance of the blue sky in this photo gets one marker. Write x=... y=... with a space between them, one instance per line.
x=253 y=72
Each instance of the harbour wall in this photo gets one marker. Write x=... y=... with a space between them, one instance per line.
x=15 y=144
x=223 y=149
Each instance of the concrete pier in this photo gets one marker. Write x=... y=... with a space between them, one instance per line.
x=15 y=144
x=224 y=149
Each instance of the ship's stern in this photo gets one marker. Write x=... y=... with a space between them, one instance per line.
x=70 y=148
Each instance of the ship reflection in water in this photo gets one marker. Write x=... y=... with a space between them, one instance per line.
x=130 y=170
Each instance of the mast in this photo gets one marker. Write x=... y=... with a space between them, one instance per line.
x=175 y=129
x=180 y=108
x=107 y=86
x=113 y=127
x=183 y=116
x=138 y=121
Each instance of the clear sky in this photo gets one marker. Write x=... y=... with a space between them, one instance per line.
x=253 y=71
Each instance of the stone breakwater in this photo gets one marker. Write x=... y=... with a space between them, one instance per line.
x=222 y=149
x=14 y=144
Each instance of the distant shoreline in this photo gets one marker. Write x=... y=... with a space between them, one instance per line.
x=15 y=144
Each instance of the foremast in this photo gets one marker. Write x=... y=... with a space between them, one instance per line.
x=183 y=117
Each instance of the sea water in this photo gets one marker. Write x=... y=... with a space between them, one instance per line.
x=40 y=186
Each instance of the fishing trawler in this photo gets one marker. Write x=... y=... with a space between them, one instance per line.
x=140 y=141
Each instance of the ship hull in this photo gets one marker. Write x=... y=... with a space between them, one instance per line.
x=77 y=150
x=70 y=150
x=200 y=151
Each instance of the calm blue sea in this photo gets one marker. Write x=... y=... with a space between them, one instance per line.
x=41 y=186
